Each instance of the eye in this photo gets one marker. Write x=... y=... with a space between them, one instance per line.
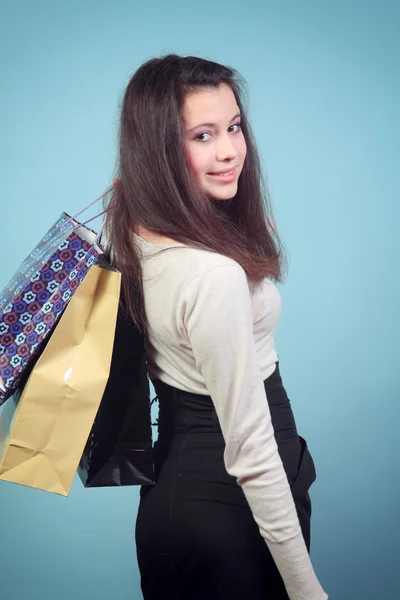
x=198 y=137
x=236 y=125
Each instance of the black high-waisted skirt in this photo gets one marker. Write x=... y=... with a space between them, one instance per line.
x=196 y=537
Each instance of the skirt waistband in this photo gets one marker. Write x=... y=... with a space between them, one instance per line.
x=181 y=412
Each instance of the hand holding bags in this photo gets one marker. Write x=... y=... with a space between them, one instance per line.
x=58 y=404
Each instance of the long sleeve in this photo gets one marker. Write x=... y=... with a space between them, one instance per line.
x=218 y=319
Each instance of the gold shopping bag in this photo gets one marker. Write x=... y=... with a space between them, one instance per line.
x=44 y=428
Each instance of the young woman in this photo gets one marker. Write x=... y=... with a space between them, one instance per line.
x=191 y=230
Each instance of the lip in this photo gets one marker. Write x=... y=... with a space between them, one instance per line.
x=225 y=178
x=224 y=171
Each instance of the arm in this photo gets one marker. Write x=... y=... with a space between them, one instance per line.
x=219 y=324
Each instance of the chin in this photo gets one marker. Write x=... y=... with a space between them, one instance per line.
x=221 y=195
x=222 y=199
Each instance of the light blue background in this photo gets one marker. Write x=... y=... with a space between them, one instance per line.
x=324 y=90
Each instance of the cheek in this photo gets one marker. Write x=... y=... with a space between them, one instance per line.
x=197 y=159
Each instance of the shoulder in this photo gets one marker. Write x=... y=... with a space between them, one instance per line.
x=216 y=302
x=217 y=287
x=204 y=266
x=188 y=264
x=193 y=274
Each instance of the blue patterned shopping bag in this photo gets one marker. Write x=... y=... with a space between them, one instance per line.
x=34 y=299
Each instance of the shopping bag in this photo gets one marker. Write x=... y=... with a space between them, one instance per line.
x=34 y=299
x=50 y=418
x=119 y=448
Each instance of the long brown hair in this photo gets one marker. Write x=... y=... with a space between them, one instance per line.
x=156 y=188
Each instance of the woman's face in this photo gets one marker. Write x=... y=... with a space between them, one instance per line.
x=214 y=140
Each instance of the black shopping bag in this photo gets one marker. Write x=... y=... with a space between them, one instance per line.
x=119 y=448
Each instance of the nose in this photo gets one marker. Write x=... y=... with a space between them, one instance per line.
x=225 y=148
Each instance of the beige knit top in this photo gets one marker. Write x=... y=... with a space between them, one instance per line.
x=209 y=333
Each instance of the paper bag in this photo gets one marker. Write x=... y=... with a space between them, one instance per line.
x=119 y=448
x=57 y=406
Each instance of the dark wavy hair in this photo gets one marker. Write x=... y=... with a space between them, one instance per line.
x=156 y=188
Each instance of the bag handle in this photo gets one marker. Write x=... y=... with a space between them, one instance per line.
x=105 y=248
x=87 y=207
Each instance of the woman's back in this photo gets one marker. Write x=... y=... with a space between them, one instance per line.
x=168 y=279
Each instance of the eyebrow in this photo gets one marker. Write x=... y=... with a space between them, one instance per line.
x=212 y=124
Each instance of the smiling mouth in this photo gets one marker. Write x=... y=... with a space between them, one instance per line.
x=225 y=173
